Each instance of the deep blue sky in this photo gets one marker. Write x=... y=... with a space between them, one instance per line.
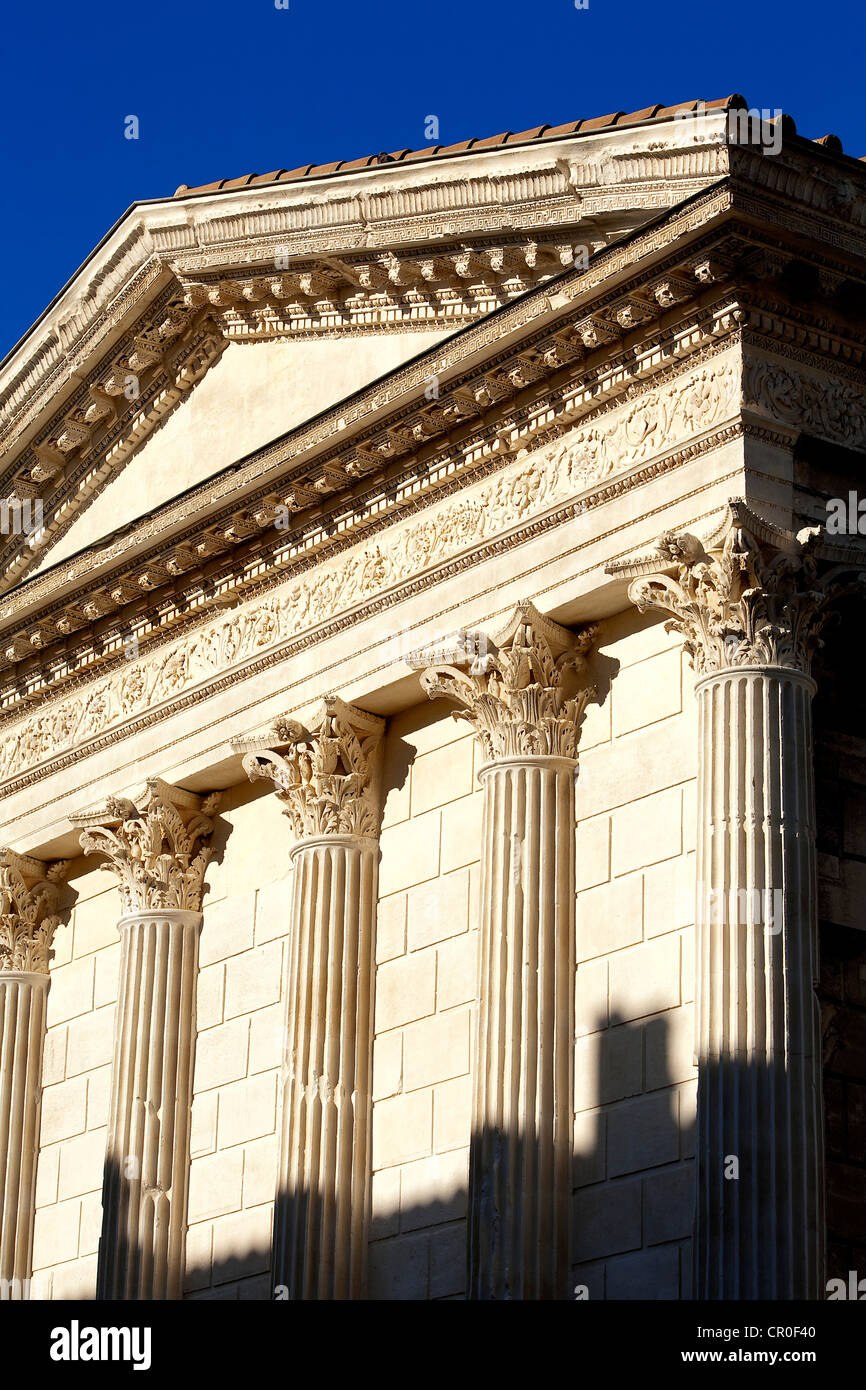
x=227 y=87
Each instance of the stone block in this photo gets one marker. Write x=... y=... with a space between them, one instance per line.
x=91 y=1223
x=645 y=979
x=452 y=1114
x=448 y=1261
x=410 y=853
x=228 y=927
x=273 y=910
x=438 y=909
x=221 y=1054
x=616 y=774
x=71 y=992
x=95 y=923
x=254 y=980
x=647 y=831
x=247 y=1109
x=242 y=1244
x=642 y=1133
x=592 y=852
x=203 y=1125
x=385 y=1204
x=388 y=1065
x=54 y=1056
x=457 y=971
x=91 y=1041
x=82 y=1164
x=267 y=1039
x=98 y=1097
x=621 y=1051
x=260 y=1170
x=106 y=974
x=609 y=917
x=434 y=1190
x=55 y=1234
x=47 y=1174
x=589 y=1163
x=436 y=1049
x=607 y=1220
x=76 y=1282
x=215 y=1185
x=402 y=1129
x=390 y=928
x=461 y=832
x=653 y=1274
x=669 y=895
x=398 y=1269
x=670 y=1048
x=442 y=776
x=405 y=990
x=647 y=692
x=64 y=1110
x=210 y=996
x=669 y=1204
x=591 y=1004
x=199 y=1255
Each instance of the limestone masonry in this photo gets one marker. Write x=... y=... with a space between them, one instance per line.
x=431 y=757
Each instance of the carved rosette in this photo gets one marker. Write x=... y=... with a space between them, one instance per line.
x=326 y=776
x=511 y=688
x=750 y=595
x=155 y=845
x=29 y=901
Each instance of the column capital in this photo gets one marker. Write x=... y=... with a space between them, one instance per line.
x=154 y=843
x=325 y=775
x=512 y=687
x=750 y=594
x=29 y=910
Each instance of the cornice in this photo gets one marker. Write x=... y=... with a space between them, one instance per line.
x=605 y=188
x=172 y=346
x=539 y=377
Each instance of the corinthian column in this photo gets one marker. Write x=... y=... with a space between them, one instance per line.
x=155 y=848
x=513 y=690
x=29 y=898
x=750 y=603
x=326 y=777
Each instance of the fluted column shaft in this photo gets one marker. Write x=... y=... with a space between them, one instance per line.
x=23 y=996
x=320 y=1224
x=327 y=777
x=520 y=1178
x=759 y=1218
x=147 y=1158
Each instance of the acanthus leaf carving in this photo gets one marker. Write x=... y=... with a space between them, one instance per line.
x=30 y=902
x=751 y=594
x=155 y=845
x=512 y=688
x=327 y=775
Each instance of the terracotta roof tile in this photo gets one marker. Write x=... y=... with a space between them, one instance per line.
x=599 y=122
x=491 y=141
x=617 y=119
x=532 y=134
x=553 y=131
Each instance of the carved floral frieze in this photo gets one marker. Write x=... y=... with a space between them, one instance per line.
x=529 y=486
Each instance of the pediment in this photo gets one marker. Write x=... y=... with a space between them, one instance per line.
x=250 y=395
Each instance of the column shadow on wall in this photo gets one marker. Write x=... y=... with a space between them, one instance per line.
x=633 y=1168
